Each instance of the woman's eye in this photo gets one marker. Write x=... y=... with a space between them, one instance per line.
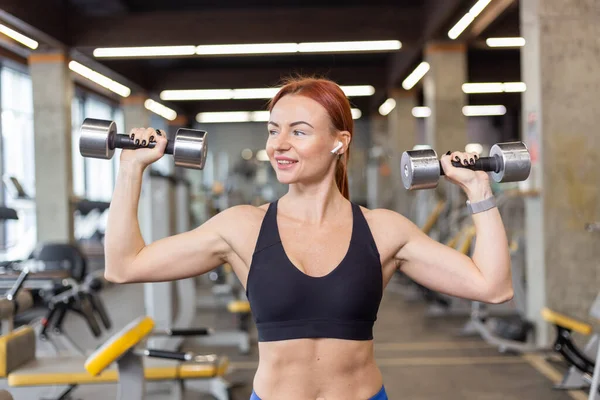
x=298 y=133
x=272 y=132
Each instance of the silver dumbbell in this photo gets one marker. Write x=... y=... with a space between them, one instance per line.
x=508 y=162
x=99 y=139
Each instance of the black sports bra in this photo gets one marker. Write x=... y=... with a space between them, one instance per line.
x=288 y=304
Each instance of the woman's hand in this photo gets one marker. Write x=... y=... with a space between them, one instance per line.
x=143 y=137
x=476 y=184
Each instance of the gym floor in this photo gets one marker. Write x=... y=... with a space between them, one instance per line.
x=421 y=358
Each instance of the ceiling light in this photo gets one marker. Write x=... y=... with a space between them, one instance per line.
x=262 y=155
x=245 y=116
x=19 y=37
x=201 y=94
x=259 y=93
x=356 y=113
x=480 y=111
x=332 y=47
x=512 y=87
x=100 y=79
x=494 y=87
x=358 y=90
x=415 y=76
x=149 y=51
x=467 y=19
x=474 y=148
x=421 y=112
x=387 y=106
x=160 y=109
x=258 y=48
x=505 y=42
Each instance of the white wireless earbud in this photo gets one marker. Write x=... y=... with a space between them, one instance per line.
x=336 y=148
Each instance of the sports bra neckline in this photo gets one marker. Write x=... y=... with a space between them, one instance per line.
x=298 y=270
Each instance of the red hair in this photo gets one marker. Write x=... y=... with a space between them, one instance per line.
x=334 y=100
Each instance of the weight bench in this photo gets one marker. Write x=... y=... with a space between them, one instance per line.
x=21 y=368
x=584 y=371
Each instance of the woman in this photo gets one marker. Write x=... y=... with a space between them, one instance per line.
x=314 y=264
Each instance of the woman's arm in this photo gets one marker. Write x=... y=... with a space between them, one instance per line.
x=129 y=259
x=486 y=276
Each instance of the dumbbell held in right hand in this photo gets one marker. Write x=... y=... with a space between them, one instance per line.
x=99 y=139
x=508 y=162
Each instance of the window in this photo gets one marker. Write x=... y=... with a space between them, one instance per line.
x=18 y=153
x=93 y=179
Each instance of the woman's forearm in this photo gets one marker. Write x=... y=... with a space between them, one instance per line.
x=123 y=238
x=491 y=254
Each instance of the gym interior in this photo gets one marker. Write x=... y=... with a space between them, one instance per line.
x=510 y=80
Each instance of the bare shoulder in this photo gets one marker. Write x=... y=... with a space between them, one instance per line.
x=241 y=217
x=390 y=230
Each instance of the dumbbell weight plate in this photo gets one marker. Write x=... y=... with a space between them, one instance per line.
x=420 y=169
x=95 y=137
x=190 y=149
x=515 y=164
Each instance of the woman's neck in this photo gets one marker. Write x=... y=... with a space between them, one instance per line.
x=313 y=204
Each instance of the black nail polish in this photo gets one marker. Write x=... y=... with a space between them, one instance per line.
x=465 y=162
x=472 y=161
x=448 y=153
x=476 y=156
x=132 y=136
x=158 y=132
x=137 y=142
x=457 y=158
x=151 y=139
x=143 y=142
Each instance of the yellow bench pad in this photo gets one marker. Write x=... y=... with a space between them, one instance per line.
x=119 y=344
x=566 y=322
x=50 y=371
x=239 y=307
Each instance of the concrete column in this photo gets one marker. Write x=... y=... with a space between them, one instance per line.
x=52 y=96
x=446 y=128
x=560 y=118
x=377 y=165
x=402 y=136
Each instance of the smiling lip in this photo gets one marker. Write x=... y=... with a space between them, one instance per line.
x=285 y=165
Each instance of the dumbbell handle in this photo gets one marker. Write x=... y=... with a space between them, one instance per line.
x=122 y=141
x=487 y=164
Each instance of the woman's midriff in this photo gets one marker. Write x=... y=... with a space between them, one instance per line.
x=324 y=369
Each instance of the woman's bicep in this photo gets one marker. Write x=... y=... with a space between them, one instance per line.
x=183 y=255
x=439 y=267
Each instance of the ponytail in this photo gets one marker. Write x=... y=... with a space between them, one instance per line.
x=341 y=175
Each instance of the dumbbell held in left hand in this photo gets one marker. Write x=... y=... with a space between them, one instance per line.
x=508 y=162
x=99 y=139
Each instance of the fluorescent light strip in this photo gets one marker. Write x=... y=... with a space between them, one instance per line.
x=259 y=93
x=19 y=37
x=252 y=48
x=332 y=47
x=258 y=48
x=245 y=116
x=160 y=109
x=494 y=87
x=505 y=42
x=149 y=51
x=100 y=79
x=480 y=111
x=421 y=112
x=467 y=19
x=387 y=106
x=415 y=76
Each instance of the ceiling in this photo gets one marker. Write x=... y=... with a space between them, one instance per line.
x=84 y=25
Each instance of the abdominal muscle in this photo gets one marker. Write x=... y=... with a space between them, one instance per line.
x=317 y=369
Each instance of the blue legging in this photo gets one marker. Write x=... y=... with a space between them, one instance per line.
x=381 y=395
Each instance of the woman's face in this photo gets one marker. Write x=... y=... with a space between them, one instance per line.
x=300 y=140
